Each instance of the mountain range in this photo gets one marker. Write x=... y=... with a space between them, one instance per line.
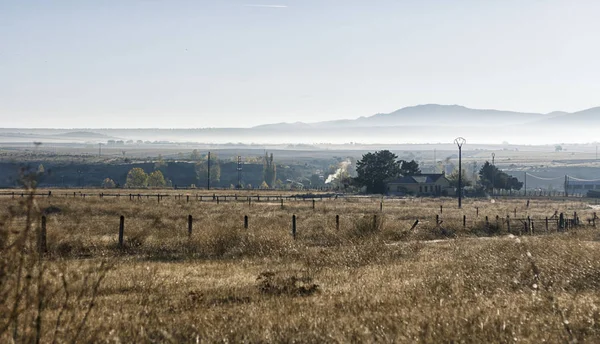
x=430 y=123
x=452 y=116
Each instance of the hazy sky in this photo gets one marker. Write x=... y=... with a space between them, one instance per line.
x=200 y=63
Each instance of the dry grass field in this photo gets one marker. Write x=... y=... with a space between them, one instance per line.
x=373 y=279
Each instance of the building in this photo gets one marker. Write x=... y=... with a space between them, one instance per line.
x=421 y=185
x=577 y=187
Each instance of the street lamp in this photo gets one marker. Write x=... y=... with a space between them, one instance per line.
x=460 y=142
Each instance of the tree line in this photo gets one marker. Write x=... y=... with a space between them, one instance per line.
x=376 y=170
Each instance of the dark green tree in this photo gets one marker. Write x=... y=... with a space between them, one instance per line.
x=409 y=168
x=491 y=177
x=269 y=170
x=376 y=169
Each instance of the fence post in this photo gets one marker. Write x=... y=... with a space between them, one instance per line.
x=158 y=198
x=546 y=223
x=245 y=221
x=313 y=204
x=121 y=230
x=477 y=210
x=294 y=226
x=190 y=221
x=381 y=206
x=187 y=198
x=282 y=203
x=374 y=222
x=561 y=220
x=337 y=222
x=441 y=209
x=464 y=221
x=437 y=219
x=42 y=238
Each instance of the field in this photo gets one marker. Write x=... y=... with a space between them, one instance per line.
x=376 y=278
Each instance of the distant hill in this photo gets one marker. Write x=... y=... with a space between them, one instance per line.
x=585 y=117
x=429 y=115
x=82 y=134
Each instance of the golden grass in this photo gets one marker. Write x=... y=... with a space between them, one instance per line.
x=361 y=283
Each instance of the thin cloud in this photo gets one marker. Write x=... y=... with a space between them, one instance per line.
x=265 y=6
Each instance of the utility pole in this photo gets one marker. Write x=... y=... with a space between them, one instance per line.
x=208 y=170
x=525 y=184
x=493 y=172
x=239 y=171
x=460 y=142
x=566 y=186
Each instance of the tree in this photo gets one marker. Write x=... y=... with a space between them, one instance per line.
x=376 y=169
x=264 y=185
x=409 y=168
x=491 y=177
x=558 y=148
x=453 y=179
x=195 y=155
x=269 y=170
x=108 y=184
x=202 y=171
x=160 y=162
x=137 y=178
x=156 y=179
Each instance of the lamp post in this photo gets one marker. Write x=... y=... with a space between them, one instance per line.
x=460 y=142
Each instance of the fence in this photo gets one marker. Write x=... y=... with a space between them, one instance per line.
x=517 y=226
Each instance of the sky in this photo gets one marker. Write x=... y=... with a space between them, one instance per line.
x=230 y=63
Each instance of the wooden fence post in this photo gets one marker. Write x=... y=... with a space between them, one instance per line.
x=121 y=230
x=282 y=203
x=245 y=221
x=337 y=222
x=381 y=206
x=187 y=198
x=477 y=210
x=190 y=221
x=464 y=221
x=313 y=202
x=374 y=222
x=294 y=226
x=441 y=209
x=158 y=198
x=561 y=220
x=42 y=238
x=508 y=223
x=546 y=223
